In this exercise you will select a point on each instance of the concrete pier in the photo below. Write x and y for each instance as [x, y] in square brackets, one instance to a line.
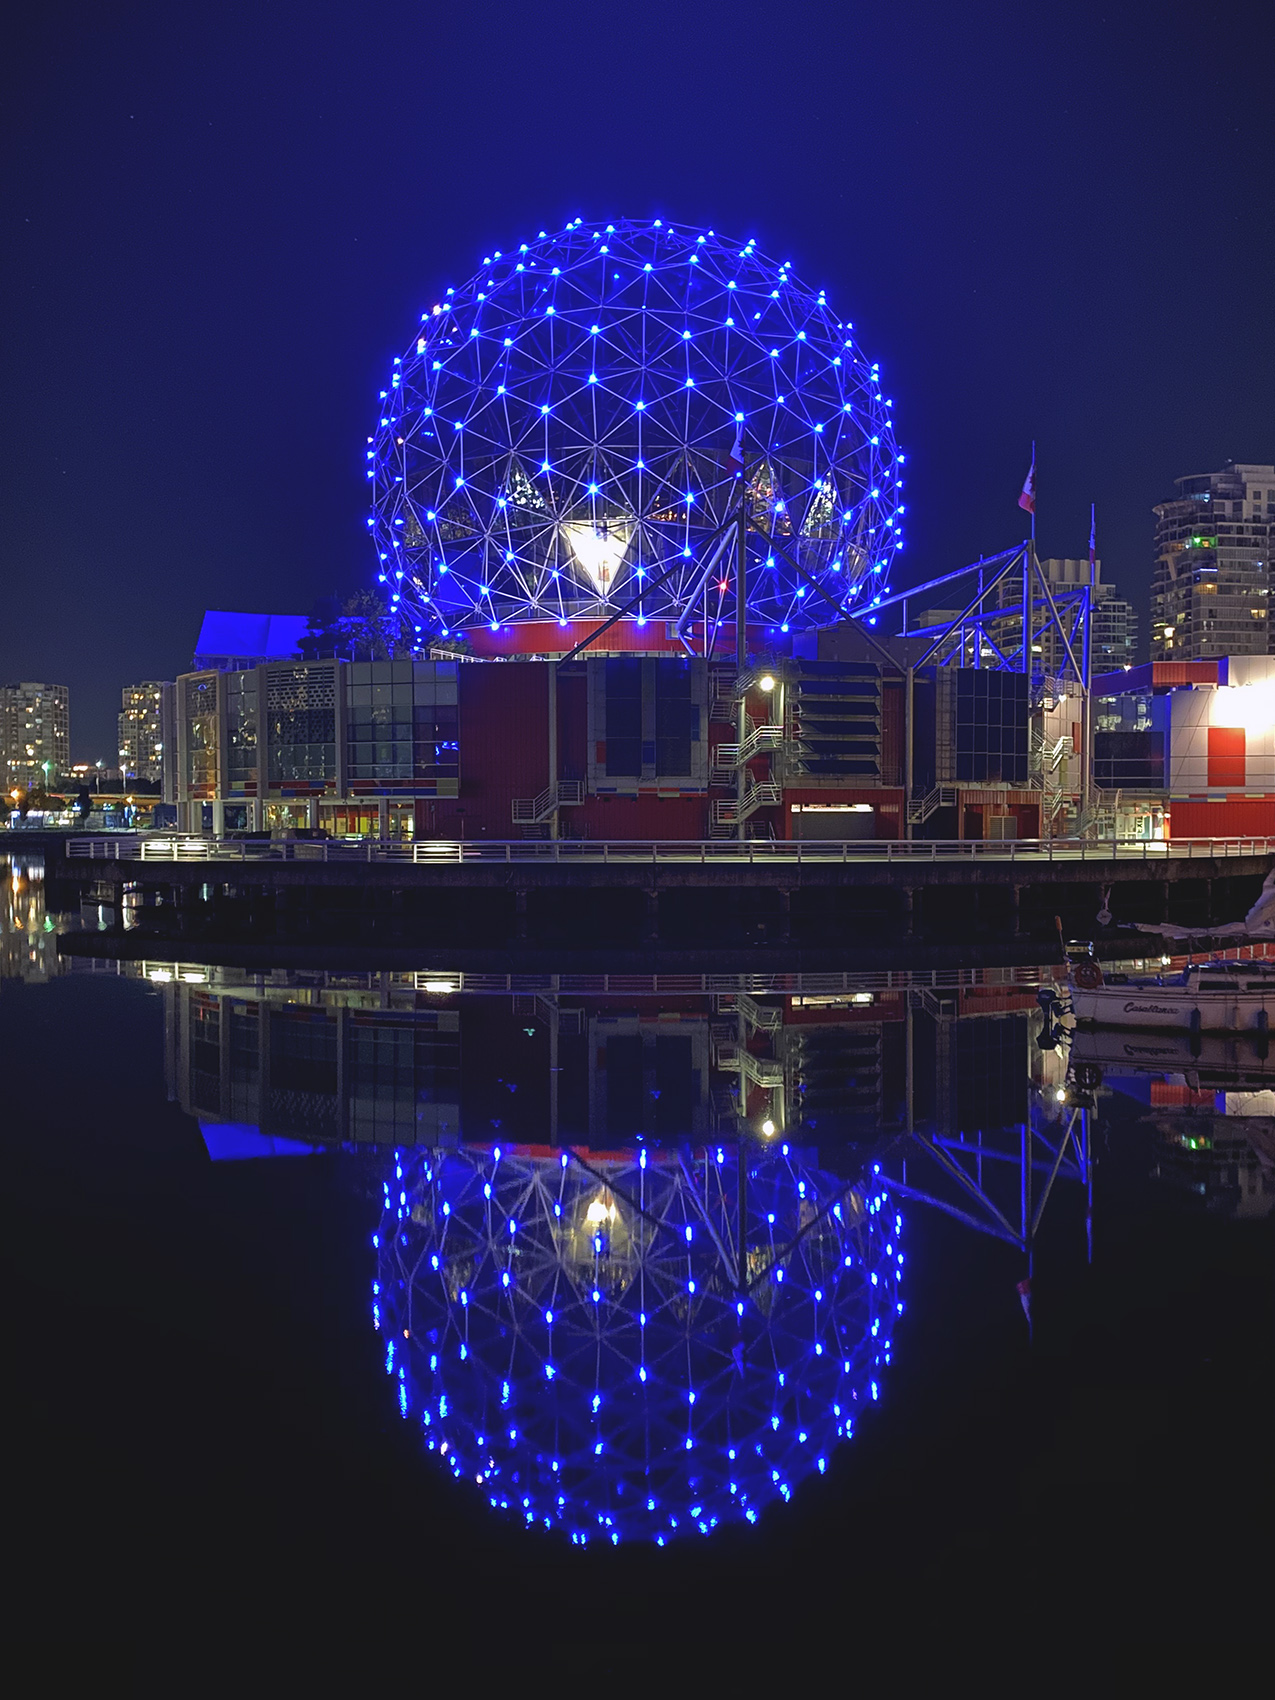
[672, 897]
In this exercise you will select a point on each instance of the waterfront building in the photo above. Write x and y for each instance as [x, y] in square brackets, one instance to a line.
[148, 734]
[350, 748]
[1186, 749]
[1210, 593]
[636, 500]
[612, 745]
[35, 733]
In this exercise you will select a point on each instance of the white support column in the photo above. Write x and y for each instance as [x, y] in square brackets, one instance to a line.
[383, 818]
[553, 744]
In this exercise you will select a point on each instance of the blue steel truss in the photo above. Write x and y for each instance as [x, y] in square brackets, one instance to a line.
[562, 437]
[1009, 605]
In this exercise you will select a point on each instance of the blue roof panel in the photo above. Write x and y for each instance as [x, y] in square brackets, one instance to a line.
[264, 637]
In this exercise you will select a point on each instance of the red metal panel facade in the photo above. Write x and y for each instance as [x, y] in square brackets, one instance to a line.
[893, 715]
[1237, 817]
[1226, 756]
[504, 747]
[573, 722]
[644, 816]
[1156, 675]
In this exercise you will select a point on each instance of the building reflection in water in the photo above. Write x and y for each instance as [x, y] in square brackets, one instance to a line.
[639, 1264]
[635, 1344]
[624, 1214]
[431, 1058]
[1210, 1099]
[28, 933]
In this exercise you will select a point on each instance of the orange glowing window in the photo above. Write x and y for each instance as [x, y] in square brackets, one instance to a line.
[1226, 756]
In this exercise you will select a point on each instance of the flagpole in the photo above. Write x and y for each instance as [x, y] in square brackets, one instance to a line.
[1033, 495]
[1086, 663]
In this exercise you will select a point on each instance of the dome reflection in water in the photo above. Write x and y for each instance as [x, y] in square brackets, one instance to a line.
[580, 1339]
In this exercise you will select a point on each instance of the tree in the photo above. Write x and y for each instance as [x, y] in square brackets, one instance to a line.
[361, 628]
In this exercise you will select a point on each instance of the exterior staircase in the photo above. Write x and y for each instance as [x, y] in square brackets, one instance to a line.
[532, 811]
[730, 811]
[767, 1017]
[761, 741]
[921, 808]
[721, 696]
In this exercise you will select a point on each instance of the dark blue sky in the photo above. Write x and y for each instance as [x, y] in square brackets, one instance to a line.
[221, 221]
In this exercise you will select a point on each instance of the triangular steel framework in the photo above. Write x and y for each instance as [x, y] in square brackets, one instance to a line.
[993, 632]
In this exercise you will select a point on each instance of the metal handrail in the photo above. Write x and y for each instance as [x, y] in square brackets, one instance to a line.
[760, 741]
[534, 809]
[765, 794]
[938, 796]
[175, 847]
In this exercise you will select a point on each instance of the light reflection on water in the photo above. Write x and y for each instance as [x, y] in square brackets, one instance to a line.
[639, 1344]
[541, 1140]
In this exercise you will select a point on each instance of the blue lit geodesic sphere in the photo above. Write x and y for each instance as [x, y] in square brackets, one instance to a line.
[561, 433]
[585, 1340]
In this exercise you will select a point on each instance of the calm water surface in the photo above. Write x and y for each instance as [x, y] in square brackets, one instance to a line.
[858, 1283]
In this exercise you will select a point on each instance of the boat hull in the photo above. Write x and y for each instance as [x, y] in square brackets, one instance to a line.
[1169, 1009]
[1232, 1059]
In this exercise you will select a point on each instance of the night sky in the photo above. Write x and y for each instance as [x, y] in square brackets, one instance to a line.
[220, 222]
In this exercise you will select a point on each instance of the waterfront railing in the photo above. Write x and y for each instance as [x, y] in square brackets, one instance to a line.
[761, 852]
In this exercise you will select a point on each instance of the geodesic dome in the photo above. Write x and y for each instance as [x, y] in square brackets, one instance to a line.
[561, 439]
[591, 1342]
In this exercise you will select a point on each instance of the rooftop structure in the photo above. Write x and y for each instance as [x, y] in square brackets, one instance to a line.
[228, 641]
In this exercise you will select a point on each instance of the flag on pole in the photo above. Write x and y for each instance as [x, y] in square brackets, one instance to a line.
[1028, 498]
[735, 464]
[1093, 541]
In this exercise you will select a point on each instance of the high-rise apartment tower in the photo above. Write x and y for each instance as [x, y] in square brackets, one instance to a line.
[35, 733]
[147, 729]
[1210, 592]
[1114, 631]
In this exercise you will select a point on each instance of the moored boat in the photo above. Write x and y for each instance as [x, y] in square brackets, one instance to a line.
[1211, 997]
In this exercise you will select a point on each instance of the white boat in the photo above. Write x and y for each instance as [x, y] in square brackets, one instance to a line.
[1223, 1062]
[1206, 997]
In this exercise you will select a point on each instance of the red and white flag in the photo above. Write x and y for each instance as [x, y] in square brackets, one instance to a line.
[1028, 498]
[735, 462]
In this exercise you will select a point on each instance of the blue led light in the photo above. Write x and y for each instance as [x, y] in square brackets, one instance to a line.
[496, 453]
[552, 1402]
